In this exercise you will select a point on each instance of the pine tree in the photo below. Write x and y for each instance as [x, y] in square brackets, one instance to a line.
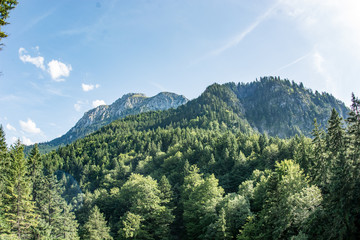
[57, 219]
[218, 229]
[4, 161]
[319, 172]
[338, 199]
[18, 205]
[353, 135]
[335, 141]
[34, 167]
[95, 227]
[69, 229]
[3, 147]
[5, 7]
[289, 203]
[34, 163]
[165, 190]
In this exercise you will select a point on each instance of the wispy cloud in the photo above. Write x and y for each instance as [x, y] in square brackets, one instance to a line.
[159, 86]
[319, 65]
[37, 61]
[318, 62]
[293, 62]
[35, 21]
[89, 87]
[95, 29]
[11, 98]
[10, 127]
[238, 38]
[29, 126]
[234, 41]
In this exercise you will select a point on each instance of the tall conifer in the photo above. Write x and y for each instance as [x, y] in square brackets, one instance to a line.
[18, 204]
[95, 227]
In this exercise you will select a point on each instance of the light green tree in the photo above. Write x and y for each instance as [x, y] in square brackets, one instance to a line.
[95, 227]
[288, 205]
[19, 209]
[141, 197]
[199, 198]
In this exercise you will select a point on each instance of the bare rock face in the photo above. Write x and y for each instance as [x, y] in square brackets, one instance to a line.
[129, 104]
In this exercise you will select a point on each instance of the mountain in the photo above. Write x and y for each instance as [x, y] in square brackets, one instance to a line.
[206, 159]
[283, 108]
[129, 104]
[270, 105]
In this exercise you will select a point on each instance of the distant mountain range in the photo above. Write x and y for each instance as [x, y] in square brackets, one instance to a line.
[129, 104]
[269, 105]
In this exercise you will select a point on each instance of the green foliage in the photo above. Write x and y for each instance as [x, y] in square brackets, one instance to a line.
[5, 7]
[199, 198]
[283, 108]
[132, 227]
[190, 173]
[56, 218]
[146, 216]
[18, 207]
[288, 204]
[95, 227]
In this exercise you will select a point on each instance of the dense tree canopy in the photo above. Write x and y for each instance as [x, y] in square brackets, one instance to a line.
[131, 180]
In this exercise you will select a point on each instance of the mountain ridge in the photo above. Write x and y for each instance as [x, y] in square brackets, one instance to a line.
[271, 105]
[128, 104]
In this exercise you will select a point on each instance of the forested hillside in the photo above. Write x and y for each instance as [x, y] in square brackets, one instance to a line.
[269, 105]
[196, 172]
[283, 108]
[129, 104]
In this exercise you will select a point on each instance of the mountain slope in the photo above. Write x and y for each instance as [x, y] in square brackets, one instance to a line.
[283, 108]
[207, 147]
[271, 105]
[129, 104]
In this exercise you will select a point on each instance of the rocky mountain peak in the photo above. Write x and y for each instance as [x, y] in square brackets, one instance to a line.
[128, 104]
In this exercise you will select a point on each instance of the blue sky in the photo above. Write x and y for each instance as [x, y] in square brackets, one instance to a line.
[64, 57]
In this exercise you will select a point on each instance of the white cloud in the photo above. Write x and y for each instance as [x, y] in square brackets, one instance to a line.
[318, 62]
[82, 105]
[26, 141]
[320, 66]
[13, 140]
[37, 61]
[58, 70]
[328, 23]
[29, 126]
[10, 128]
[97, 103]
[332, 28]
[78, 106]
[89, 87]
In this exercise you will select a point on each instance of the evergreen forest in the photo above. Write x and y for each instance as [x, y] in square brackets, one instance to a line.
[196, 172]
